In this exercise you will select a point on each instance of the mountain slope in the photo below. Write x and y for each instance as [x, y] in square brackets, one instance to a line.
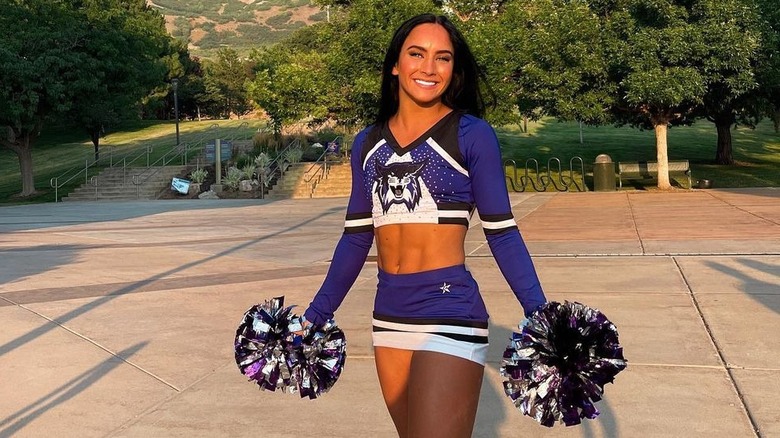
[240, 24]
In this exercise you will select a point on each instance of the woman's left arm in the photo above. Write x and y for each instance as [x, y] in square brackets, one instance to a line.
[488, 185]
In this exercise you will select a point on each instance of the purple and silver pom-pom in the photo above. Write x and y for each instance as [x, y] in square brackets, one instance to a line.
[273, 350]
[558, 365]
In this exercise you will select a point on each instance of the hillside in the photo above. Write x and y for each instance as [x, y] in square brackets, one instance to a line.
[240, 24]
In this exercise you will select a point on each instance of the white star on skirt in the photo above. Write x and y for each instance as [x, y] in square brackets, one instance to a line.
[445, 288]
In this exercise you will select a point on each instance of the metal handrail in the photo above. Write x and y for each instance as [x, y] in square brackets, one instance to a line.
[180, 151]
[274, 168]
[131, 156]
[107, 162]
[321, 171]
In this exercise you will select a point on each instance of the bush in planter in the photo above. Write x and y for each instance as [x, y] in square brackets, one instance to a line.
[266, 142]
[243, 160]
[198, 176]
[232, 179]
[248, 171]
[293, 155]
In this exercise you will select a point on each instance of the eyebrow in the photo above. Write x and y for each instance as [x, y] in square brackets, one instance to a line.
[423, 49]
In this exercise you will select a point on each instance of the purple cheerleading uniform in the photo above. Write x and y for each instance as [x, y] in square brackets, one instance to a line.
[440, 178]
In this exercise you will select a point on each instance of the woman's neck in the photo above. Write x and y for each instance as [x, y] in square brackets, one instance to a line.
[411, 121]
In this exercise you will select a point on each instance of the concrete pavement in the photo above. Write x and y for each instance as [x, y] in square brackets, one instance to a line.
[117, 319]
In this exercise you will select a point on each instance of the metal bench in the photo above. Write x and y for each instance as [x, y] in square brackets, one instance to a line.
[649, 170]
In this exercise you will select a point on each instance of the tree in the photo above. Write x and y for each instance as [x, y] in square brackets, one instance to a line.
[225, 82]
[289, 86]
[126, 42]
[768, 70]
[352, 47]
[733, 35]
[41, 63]
[658, 66]
[546, 57]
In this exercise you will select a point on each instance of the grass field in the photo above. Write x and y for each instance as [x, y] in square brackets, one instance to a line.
[62, 152]
[757, 151]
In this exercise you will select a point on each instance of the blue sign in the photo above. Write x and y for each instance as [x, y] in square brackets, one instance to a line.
[225, 149]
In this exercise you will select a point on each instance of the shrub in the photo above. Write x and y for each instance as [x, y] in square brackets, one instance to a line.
[248, 171]
[243, 160]
[265, 142]
[262, 160]
[293, 155]
[199, 175]
[232, 179]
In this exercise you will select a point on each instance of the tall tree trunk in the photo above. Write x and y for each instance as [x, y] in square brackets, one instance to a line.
[724, 154]
[21, 144]
[776, 120]
[662, 156]
[95, 136]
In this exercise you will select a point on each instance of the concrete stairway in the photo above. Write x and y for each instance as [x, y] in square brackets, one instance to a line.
[113, 185]
[337, 184]
[294, 183]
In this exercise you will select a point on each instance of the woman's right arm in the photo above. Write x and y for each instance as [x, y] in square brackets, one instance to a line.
[352, 249]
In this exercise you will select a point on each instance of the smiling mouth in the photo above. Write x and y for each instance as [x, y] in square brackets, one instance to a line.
[425, 83]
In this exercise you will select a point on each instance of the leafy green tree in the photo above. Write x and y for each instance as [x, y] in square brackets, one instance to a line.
[125, 44]
[343, 62]
[42, 61]
[732, 33]
[289, 86]
[648, 63]
[546, 57]
[676, 56]
[225, 82]
[357, 38]
[768, 70]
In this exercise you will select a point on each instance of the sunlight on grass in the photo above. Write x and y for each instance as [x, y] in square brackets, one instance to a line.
[64, 150]
[757, 151]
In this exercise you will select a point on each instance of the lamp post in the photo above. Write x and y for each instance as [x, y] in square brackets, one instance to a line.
[175, 85]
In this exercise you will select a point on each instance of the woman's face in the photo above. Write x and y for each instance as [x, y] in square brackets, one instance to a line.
[425, 65]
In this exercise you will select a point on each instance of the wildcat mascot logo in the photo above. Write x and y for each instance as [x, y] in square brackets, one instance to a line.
[398, 183]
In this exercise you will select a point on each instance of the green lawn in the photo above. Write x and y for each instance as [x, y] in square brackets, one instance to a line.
[757, 151]
[62, 152]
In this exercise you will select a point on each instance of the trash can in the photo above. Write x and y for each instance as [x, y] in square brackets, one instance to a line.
[603, 174]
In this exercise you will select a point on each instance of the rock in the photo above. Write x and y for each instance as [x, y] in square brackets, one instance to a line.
[245, 186]
[208, 195]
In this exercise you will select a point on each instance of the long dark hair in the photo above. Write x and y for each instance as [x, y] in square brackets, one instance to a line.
[463, 94]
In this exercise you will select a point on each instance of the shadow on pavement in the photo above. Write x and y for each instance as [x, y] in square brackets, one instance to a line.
[34, 334]
[39, 216]
[21, 418]
[20, 263]
[761, 292]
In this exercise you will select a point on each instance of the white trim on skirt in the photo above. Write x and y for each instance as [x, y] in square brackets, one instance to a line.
[432, 337]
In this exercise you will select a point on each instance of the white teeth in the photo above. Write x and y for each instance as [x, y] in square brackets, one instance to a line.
[425, 83]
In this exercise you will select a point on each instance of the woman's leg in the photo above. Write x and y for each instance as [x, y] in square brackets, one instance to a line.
[443, 394]
[392, 367]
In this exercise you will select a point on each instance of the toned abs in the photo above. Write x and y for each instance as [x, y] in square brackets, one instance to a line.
[409, 248]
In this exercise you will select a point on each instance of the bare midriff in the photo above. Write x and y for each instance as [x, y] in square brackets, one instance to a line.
[409, 248]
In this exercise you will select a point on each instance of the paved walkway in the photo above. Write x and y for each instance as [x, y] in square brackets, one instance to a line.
[118, 319]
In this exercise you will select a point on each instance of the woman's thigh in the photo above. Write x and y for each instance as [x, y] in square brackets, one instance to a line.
[392, 367]
[443, 394]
